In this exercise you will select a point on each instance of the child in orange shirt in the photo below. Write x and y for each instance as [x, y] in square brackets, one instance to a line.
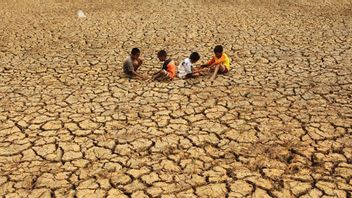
[219, 63]
[168, 71]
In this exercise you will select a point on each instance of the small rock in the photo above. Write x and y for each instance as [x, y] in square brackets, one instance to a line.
[80, 14]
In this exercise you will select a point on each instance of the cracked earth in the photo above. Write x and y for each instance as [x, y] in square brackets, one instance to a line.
[278, 125]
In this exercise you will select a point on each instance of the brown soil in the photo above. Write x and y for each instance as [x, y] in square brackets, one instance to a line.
[278, 125]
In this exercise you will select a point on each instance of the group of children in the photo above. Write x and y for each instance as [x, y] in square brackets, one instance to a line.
[219, 63]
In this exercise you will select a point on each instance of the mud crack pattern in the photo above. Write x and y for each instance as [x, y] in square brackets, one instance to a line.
[278, 125]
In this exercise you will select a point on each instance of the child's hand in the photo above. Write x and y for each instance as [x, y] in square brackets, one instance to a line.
[146, 78]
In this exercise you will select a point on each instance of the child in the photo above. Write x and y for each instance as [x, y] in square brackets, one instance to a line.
[184, 70]
[168, 71]
[132, 63]
[220, 62]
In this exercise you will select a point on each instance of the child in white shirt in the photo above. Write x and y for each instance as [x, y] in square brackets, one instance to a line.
[184, 70]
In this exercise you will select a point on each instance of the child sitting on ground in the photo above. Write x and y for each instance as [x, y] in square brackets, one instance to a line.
[168, 70]
[185, 69]
[132, 63]
[220, 63]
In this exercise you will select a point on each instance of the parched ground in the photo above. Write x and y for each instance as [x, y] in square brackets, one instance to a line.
[278, 125]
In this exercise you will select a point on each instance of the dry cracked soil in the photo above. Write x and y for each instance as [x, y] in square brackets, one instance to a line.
[278, 125]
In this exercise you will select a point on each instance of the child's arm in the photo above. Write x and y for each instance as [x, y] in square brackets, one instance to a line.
[200, 71]
[140, 61]
[219, 61]
[209, 63]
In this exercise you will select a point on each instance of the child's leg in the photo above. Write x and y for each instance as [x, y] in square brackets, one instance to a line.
[158, 75]
[191, 75]
[164, 75]
[141, 76]
[155, 75]
[136, 65]
[217, 68]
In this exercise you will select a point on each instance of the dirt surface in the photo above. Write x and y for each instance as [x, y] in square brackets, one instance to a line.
[278, 125]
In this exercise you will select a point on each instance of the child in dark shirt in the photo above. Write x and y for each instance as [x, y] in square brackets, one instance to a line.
[168, 70]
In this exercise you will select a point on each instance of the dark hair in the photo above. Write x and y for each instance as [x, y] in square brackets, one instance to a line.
[135, 51]
[194, 56]
[218, 49]
[162, 53]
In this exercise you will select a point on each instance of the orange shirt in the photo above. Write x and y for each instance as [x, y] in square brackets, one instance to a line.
[171, 69]
[224, 59]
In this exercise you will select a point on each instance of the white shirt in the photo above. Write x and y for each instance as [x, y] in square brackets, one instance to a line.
[184, 68]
